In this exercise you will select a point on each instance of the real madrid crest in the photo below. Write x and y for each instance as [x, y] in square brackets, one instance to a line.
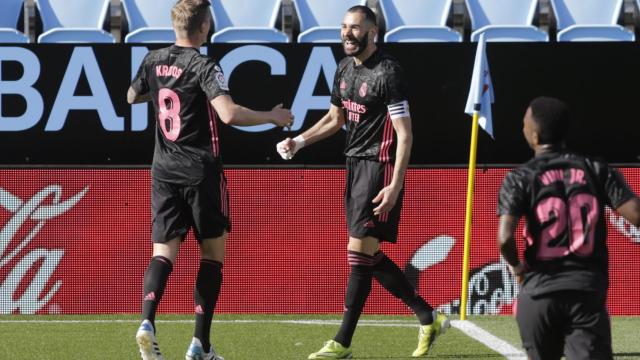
[363, 90]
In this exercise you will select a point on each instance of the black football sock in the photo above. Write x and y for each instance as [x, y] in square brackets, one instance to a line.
[389, 275]
[358, 289]
[155, 281]
[205, 295]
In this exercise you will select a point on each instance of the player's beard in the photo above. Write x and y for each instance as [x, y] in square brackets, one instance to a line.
[361, 44]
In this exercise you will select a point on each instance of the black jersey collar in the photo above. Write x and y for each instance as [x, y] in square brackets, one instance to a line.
[178, 48]
[550, 150]
[369, 60]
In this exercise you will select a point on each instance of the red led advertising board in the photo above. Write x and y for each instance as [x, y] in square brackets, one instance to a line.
[78, 242]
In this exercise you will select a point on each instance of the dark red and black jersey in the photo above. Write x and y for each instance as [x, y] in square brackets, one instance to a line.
[181, 83]
[371, 94]
[563, 197]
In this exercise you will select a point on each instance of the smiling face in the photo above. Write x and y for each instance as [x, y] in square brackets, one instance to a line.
[357, 33]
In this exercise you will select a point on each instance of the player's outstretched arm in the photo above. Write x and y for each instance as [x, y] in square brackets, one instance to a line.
[621, 197]
[327, 126]
[233, 114]
[630, 210]
[134, 98]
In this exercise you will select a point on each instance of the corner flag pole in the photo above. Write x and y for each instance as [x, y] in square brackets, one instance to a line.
[479, 107]
[467, 221]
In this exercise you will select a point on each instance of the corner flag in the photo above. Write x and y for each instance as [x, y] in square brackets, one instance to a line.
[481, 89]
[479, 107]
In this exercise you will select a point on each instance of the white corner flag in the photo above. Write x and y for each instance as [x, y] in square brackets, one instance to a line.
[481, 89]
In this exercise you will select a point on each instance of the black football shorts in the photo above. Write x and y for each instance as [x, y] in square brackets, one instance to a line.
[365, 179]
[177, 208]
[574, 323]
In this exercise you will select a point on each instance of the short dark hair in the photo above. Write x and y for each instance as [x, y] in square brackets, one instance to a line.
[369, 15]
[552, 117]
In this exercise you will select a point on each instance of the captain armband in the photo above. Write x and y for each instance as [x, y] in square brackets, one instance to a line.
[399, 110]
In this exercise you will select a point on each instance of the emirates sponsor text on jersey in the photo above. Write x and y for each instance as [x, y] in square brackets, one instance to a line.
[354, 109]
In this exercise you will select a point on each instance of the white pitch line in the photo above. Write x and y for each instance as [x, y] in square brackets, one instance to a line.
[491, 341]
[381, 323]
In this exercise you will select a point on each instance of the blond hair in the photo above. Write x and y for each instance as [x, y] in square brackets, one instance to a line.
[188, 15]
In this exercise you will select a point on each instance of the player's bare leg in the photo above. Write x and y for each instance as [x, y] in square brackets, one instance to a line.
[366, 245]
[207, 289]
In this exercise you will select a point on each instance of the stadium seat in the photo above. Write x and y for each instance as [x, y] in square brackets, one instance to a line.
[590, 20]
[74, 21]
[238, 21]
[320, 19]
[9, 17]
[149, 21]
[418, 21]
[504, 20]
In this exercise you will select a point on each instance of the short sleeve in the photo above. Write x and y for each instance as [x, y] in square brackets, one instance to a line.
[212, 80]
[395, 86]
[616, 188]
[336, 99]
[513, 195]
[140, 82]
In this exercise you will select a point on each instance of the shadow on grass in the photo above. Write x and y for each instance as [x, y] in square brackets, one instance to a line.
[627, 354]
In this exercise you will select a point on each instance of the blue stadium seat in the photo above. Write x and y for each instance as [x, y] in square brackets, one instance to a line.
[8, 22]
[320, 20]
[239, 21]
[590, 20]
[149, 21]
[418, 21]
[74, 21]
[504, 20]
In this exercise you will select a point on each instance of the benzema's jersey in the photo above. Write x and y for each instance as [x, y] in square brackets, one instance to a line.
[371, 95]
[563, 197]
[181, 83]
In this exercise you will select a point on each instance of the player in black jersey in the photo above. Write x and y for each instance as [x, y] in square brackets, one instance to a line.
[370, 95]
[564, 276]
[189, 190]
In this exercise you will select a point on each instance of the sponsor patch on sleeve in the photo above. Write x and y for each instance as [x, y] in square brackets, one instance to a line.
[222, 82]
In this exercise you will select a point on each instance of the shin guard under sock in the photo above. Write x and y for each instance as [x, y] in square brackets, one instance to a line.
[389, 275]
[205, 296]
[358, 289]
[155, 281]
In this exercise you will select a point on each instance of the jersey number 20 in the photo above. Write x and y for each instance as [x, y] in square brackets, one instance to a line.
[580, 221]
[169, 114]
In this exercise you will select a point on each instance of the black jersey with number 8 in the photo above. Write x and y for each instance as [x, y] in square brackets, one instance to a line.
[181, 83]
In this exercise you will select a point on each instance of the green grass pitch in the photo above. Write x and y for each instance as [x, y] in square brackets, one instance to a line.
[249, 337]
